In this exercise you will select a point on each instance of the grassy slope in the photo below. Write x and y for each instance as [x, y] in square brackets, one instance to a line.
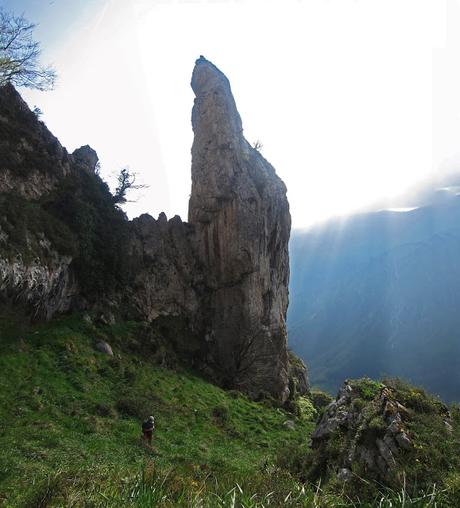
[73, 413]
[70, 432]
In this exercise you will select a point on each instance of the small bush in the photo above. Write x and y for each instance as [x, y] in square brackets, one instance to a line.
[416, 398]
[221, 414]
[358, 404]
[452, 489]
[105, 410]
[369, 388]
[137, 407]
[320, 400]
[377, 426]
[294, 458]
[306, 410]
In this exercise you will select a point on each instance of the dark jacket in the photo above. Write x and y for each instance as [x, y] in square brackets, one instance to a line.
[148, 426]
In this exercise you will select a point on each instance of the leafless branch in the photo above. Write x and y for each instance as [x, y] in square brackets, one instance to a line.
[19, 54]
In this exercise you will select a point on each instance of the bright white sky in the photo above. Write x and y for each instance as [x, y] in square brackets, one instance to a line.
[353, 100]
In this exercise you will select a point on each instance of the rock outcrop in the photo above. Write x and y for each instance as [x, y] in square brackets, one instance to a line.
[380, 434]
[374, 432]
[239, 208]
[299, 384]
[86, 157]
[32, 160]
[220, 281]
[43, 288]
[365, 428]
[166, 274]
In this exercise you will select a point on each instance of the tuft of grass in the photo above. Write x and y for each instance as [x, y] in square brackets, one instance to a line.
[320, 400]
[368, 388]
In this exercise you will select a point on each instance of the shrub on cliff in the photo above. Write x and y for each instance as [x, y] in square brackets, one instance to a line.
[85, 205]
[126, 180]
[320, 400]
[25, 222]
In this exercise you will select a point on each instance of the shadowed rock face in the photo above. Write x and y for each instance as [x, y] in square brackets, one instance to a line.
[166, 277]
[32, 160]
[219, 282]
[239, 208]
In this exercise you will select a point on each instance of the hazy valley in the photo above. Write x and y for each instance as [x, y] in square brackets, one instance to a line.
[377, 294]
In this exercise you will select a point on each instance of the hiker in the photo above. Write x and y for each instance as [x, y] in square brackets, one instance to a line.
[147, 428]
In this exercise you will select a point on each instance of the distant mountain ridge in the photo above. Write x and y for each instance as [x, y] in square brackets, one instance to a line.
[379, 294]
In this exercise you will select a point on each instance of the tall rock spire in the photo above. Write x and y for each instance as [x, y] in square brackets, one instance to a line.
[239, 208]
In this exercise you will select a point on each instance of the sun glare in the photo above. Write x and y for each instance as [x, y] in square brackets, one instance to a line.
[341, 94]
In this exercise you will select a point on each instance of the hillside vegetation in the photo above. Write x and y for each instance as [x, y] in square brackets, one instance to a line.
[70, 432]
[70, 423]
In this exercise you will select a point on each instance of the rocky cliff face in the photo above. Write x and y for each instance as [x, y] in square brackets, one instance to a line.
[166, 275]
[32, 160]
[223, 276]
[241, 214]
[33, 273]
[43, 288]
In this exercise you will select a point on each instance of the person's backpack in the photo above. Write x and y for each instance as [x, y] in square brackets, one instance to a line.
[148, 425]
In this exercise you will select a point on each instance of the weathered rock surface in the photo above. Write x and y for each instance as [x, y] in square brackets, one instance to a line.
[372, 432]
[239, 208]
[104, 347]
[32, 164]
[86, 157]
[299, 383]
[223, 277]
[166, 273]
[44, 288]
[32, 161]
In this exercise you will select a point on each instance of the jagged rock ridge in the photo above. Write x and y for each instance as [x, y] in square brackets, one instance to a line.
[167, 277]
[224, 275]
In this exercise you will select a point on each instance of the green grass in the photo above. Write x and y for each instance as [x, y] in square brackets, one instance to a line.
[68, 411]
[70, 432]
[368, 387]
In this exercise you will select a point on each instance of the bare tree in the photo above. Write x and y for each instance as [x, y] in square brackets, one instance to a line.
[245, 352]
[126, 182]
[19, 54]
